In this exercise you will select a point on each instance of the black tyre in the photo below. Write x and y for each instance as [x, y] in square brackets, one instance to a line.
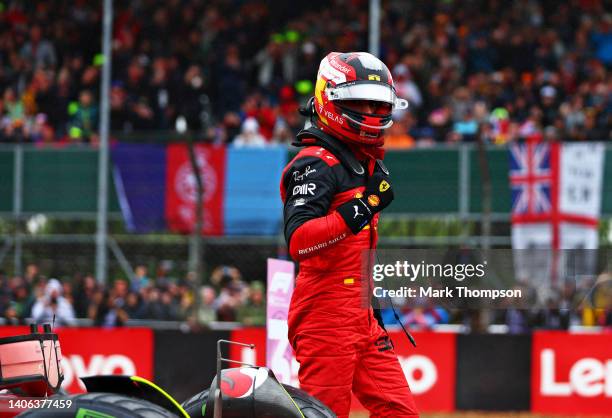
[101, 405]
[311, 407]
[194, 406]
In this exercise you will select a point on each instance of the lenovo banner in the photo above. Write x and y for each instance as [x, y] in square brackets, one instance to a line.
[572, 373]
[92, 351]
[429, 368]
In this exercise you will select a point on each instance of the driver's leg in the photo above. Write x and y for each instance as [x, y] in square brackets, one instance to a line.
[379, 381]
[326, 368]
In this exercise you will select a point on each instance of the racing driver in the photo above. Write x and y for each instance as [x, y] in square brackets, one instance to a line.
[333, 191]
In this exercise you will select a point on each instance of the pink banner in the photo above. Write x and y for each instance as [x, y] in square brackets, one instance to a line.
[279, 354]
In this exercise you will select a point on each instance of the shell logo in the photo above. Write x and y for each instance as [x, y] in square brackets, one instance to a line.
[373, 200]
[240, 383]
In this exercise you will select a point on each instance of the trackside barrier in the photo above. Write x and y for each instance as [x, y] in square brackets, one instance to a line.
[493, 372]
[572, 373]
[547, 372]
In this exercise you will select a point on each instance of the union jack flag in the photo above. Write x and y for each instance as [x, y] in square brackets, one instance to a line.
[531, 179]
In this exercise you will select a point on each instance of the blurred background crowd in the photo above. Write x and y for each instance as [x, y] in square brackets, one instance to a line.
[230, 298]
[236, 71]
[157, 297]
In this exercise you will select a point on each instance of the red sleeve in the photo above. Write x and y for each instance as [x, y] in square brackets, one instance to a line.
[316, 234]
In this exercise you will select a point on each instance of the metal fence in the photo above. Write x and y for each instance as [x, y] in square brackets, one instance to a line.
[48, 207]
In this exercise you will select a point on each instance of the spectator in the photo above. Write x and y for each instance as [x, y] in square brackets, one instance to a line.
[84, 293]
[169, 307]
[276, 66]
[32, 275]
[250, 136]
[253, 312]
[406, 87]
[397, 136]
[517, 321]
[201, 65]
[134, 307]
[39, 51]
[552, 317]
[162, 279]
[107, 311]
[231, 296]
[160, 306]
[11, 315]
[206, 311]
[140, 279]
[52, 306]
[282, 133]
[231, 87]
[23, 302]
[153, 308]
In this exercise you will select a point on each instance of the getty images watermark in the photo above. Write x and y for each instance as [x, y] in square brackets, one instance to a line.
[471, 278]
[405, 270]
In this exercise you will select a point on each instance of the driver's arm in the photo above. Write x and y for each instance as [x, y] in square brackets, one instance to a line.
[309, 187]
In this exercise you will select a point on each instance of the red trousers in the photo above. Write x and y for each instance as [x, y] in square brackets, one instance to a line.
[334, 362]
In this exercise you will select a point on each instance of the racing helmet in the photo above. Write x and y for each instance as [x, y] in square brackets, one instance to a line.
[355, 76]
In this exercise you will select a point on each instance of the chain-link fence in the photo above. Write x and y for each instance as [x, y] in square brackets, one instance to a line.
[48, 226]
[49, 205]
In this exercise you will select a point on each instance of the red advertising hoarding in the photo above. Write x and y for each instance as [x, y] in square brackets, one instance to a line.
[255, 336]
[181, 188]
[430, 368]
[571, 373]
[93, 351]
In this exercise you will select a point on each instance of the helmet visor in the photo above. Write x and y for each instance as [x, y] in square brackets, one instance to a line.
[365, 90]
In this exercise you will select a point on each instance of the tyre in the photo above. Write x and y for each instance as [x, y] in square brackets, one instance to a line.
[194, 406]
[96, 405]
[311, 407]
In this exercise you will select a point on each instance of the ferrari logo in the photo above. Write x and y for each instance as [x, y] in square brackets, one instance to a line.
[384, 186]
[374, 77]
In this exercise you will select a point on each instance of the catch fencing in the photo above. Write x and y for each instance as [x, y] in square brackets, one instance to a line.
[48, 209]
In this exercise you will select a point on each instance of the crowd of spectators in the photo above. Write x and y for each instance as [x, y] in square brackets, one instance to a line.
[238, 70]
[584, 302]
[225, 297]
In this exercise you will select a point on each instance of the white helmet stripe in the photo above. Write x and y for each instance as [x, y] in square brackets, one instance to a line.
[330, 73]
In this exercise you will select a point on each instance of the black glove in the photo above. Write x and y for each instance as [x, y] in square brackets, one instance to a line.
[358, 212]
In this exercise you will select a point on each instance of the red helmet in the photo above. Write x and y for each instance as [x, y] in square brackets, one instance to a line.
[354, 76]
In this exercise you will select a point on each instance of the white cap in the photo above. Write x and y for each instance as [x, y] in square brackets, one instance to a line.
[53, 285]
[250, 125]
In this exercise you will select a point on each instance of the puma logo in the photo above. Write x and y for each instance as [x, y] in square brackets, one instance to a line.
[356, 212]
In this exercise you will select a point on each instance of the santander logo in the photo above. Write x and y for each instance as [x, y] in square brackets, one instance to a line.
[588, 377]
[339, 66]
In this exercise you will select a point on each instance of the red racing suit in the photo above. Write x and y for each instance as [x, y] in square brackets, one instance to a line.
[337, 340]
